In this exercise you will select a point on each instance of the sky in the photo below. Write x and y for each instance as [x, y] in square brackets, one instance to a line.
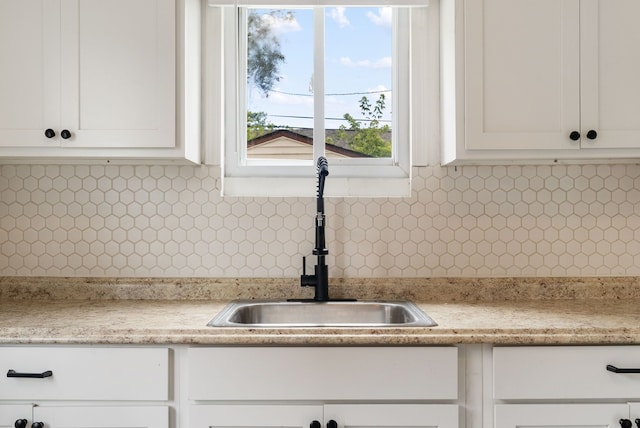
[357, 60]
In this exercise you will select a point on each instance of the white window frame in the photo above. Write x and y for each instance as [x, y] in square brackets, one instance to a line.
[225, 118]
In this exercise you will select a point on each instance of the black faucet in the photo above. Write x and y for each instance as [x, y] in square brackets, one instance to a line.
[320, 278]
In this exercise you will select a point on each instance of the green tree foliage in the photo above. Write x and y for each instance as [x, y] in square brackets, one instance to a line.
[363, 138]
[257, 125]
[264, 55]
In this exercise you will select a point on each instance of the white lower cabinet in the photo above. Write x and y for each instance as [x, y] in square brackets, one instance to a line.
[566, 387]
[84, 387]
[466, 386]
[324, 416]
[323, 387]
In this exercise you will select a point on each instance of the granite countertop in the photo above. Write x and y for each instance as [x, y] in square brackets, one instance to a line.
[150, 311]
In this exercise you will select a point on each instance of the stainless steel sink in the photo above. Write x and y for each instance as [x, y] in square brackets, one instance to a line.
[268, 313]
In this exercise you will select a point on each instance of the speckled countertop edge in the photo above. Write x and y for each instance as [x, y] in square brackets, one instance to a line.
[175, 311]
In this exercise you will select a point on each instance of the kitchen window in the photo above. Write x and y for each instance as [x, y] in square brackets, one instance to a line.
[289, 83]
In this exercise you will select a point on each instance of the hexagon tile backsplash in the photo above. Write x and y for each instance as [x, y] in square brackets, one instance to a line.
[116, 220]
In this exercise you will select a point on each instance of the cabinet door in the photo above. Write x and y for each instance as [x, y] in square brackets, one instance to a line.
[560, 415]
[118, 73]
[634, 411]
[29, 72]
[522, 60]
[102, 417]
[610, 68]
[10, 413]
[393, 415]
[249, 416]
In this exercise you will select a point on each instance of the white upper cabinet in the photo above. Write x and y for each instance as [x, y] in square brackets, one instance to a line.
[610, 70]
[522, 62]
[118, 73]
[29, 72]
[540, 80]
[91, 78]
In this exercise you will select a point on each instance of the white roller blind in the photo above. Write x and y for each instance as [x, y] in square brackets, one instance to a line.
[307, 3]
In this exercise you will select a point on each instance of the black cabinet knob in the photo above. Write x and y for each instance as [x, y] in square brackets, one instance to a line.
[625, 423]
[592, 135]
[637, 421]
[20, 423]
[332, 424]
[574, 136]
[315, 424]
[37, 425]
[49, 133]
[65, 134]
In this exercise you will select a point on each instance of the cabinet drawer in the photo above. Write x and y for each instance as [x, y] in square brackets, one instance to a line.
[340, 373]
[79, 373]
[565, 372]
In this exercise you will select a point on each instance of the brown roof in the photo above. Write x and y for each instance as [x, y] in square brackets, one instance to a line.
[304, 135]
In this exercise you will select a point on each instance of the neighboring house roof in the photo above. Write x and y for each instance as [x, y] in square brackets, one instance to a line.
[293, 144]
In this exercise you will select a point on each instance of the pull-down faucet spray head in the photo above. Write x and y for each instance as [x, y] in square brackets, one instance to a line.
[323, 171]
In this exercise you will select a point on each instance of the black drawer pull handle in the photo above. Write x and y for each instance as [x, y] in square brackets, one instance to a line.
[13, 373]
[617, 370]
